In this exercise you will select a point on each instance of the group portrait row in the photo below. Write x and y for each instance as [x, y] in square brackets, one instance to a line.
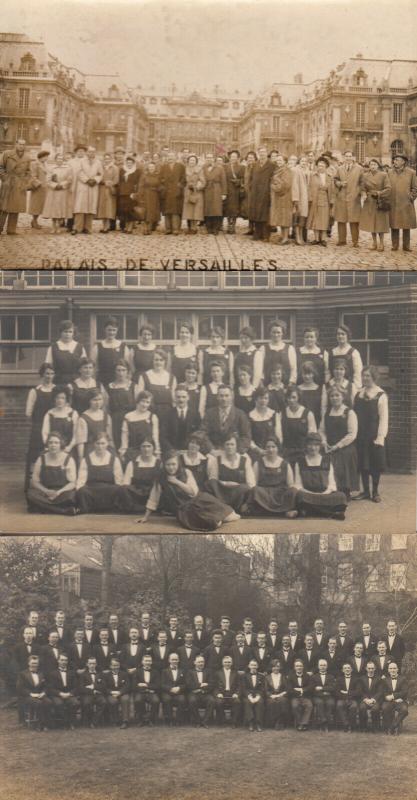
[205, 433]
[145, 673]
[287, 197]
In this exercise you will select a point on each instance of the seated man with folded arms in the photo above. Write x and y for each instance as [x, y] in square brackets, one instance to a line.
[394, 702]
[347, 698]
[199, 683]
[145, 684]
[227, 693]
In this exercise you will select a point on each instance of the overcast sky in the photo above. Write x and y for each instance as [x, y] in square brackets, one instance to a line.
[238, 45]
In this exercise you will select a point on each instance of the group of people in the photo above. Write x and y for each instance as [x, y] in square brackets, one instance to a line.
[275, 193]
[204, 433]
[91, 674]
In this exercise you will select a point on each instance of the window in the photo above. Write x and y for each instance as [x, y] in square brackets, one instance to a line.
[345, 278]
[324, 542]
[275, 124]
[25, 338]
[324, 576]
[370, 336]
[276, 99]
[345, 542]
[24, 95]
[27, 63]
[344, 576]
[39, 278]
[372, 583]
[399, 541]
[360, 114]
[398, 113]
[231, 324]
[235, 133]
[23, 131]
[152, 130]
[192, 280]
[151, 280]
[397, 147]
[261, 322]
[397, 577]
[71, 583]
[246, 280]
[295, 543]
[360, 150]
[359, 78]
[302, 278]
[91, 278]
[372, 542]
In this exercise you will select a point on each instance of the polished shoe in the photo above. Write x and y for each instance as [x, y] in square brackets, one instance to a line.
[323, 243]
[376, 498]
[123, 726]
[259, 728]
[362, 496]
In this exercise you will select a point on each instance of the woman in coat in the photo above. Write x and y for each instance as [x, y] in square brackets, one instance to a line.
[251, 159]
[321, 196]
[281, 198]
[301, 178]
[215, 192]
[107, 193]
[375, 186]
[235, 174]
[402, 216]
[37, 186]
[57, 188]
[193, 210]
[127, 189]
[149, 198]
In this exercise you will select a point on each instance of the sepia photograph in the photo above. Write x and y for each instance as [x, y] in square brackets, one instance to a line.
[178, 401]
[188, 666]
[228, 134]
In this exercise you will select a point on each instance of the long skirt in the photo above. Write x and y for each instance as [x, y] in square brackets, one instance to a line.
[235, 496]
[132, 499]
[203, 513]
[371, 457]
[320, 505]
[99, 498]
[345, 466]
[39, 503]
[271, 500]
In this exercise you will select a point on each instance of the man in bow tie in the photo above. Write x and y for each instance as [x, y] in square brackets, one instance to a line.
[62, 687]
[300, 690]
[31, 690]
[200, 686]
[145, 686]
[117, 687]
[347, 697]
[62, 629]
[50, 653]
[92, 691]
[324, 691]
[187, 652]
[253, 690]
[372, 689]
[395, 703]
[173, 691]
[227, 691]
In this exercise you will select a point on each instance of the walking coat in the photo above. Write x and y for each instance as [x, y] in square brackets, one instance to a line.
[247, 171]
[172, 177]
[194, 193]
[300, 190]
[403, 194]
[372, 219]
[149, 197]
[107, 193]
[56, 200]
[75, 164]
[321, 197]
[15, 178]
[281, 197]
[215, 187]
[347, 206]
[235, 176]
[86, 196]
[260, 191]
[37, 186]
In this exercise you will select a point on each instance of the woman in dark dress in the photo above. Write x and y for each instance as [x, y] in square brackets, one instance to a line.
[121, 399]
[350, 355]
[314, 478]
[178, 490]
[208, 392]
[193, 387]
[274, 492]
[296, 422]
[91, 423]
[339, 381]
[244, 389]
[52, 487]
[138, 425]
[195, 459]
[312, 352]
[84, 386]
[61, 418]
[231, 476]
[39, 401]
[371, 407]
[216, 351]
[277, 351]
[65, 354]
[264, 422]
[107, 352]
[140, 476]
[339, 431]
[99, 479]
[143, 352]
[161, 384]
[277, 390]
[183, 352]
[249, 356]
[311, 391]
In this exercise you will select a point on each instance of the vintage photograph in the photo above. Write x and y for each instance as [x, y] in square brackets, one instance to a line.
[225, 133]
[130, 654]
[175, 401]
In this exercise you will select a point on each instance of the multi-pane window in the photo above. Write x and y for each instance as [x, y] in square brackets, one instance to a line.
[397, 147]
[345, 542]
[23, 131]
[398, 577]
[398, 113]
[24, 99]
[369, 336]
[399, 541]
[372, 542]
[24, 339]
[300, 278]
[372, 581]
[345, 278]
[275, 124]
[230, 323]
[85, 278]
[360, 148]
[360, 114]
[246, 280]
[345, 576]
[324, 542]
[261, 322]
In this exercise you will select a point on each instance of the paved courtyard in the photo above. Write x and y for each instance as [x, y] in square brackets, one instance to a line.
[40, 249]
[397, 512]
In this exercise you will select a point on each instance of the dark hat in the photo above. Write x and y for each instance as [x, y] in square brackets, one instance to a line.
[400, 155]
[80, 147]
[323, 158]
[229, 152]
[313, 438]
[43, 153]
[377, 161]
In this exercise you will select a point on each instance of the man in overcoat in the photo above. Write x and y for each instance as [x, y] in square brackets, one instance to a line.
[15, 174]
[260, 194]
[172, 176]
[347, 207]
[402, 216]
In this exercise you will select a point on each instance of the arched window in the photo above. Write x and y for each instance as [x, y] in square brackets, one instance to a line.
[114, 93]
[276, 99]
[360, 78]
[397, 147]
[27, 63]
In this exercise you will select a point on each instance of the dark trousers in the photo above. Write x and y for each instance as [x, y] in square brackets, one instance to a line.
[142, 699]
[395, 238]
[261, 230]
[346, 711]
[172, 223]
[66, 709]
[342, 232]
[93, 708]
[375, 711]
[277, 710]
[393, 714]
[302, 709]
[254, 712]
[227, 702]
[41, 706]
[118, 706]
[11, 221]
[324, 710]
[213, 224]
[199, 700]
[169, 701]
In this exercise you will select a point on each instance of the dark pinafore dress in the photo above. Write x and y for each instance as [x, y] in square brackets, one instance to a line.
[52, 477]
[80, 396]
[134, 497]
[201, 513]
[211, 398]
[277, 399]
[66, 364]
[162, 399]
[94, 428]
[62, 425]
[142, 361]
[311, 399]
[315, 479]
[219, 358]
[347, 392]
[274, 358]
[347, 358]
[243, 359]
[100, 493]
[272, 494]
[317, 359]
[344, 460]
[107, 358]
[261, 430]
[245, 402]
[42, 405]
[199, 471]
[137, 431]
[234, 496]
[121, 402]
[179, 363]
[294, 434]
[371, 457]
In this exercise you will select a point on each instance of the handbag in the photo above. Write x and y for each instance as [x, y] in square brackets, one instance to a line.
[383, 204]
[139, 213]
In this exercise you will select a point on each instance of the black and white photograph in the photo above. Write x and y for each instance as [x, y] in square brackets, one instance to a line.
[179, 401]
[209, 666]
[224, 133]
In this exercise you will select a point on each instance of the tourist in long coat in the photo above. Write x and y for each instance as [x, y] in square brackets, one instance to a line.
[347, 205]
[15, 179]
[75, 164]
[193, 210]
[149, 197]
[321, 197]
[215, 193]
[37, 194]
[402, 216]
[235, 176]
[259, 204]
[107, 193]
[57, 188]
[86, 191]
[251, 159]
[375, 186]
[301, 178]
[172, 176]
[127, 189]
[281, 198]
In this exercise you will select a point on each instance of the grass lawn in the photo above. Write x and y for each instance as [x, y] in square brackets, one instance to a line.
[215, 764]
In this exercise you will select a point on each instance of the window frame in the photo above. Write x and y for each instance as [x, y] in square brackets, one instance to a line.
[17, 343]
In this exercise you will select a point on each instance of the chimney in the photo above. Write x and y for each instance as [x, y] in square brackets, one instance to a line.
[298, 78]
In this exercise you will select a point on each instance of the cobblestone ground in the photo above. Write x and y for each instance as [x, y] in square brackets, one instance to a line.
[39, 249]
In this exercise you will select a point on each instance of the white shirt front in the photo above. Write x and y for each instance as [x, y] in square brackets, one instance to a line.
[227, 679]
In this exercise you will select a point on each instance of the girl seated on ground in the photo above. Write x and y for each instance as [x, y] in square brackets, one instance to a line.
[231, 476]
[314, 478]
[52, 487]
[274, 492]
[140, 475]
[99, 479]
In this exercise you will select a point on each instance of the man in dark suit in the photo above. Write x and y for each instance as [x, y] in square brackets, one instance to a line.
[181, 421]
[224, 420]
[172, 178]
[117, 634]
[31, 691]
[277, 705]
[50, 653]
[272, 638]
[145, 687]
[90, 632]
[347, 698]
[201, 637]
[381, 659]
[300, 690]
[395, 643]
[174, 636]
[286, 655]
[357, 661]
[132, 652]
[248, 632]
[93, 694]
[253, 692]
[147, 634]
[319, 637]
[214, 653]
[173, 690]
[368, 640]
[63, 630]
[78, 653]
[261, 654]
[324, 695]
[199, 682]
[259, 197]
[227, 632]
[394, 700]
[62, 688]
[117, 688]
[296, 640]
[103, 651]
[241, 654]
[38, 634]
[344, 643]
[309, 655]
[371, 688]
[160, 652]
[334, 663]
[24, 649]
[227, 691]
[187, 652]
